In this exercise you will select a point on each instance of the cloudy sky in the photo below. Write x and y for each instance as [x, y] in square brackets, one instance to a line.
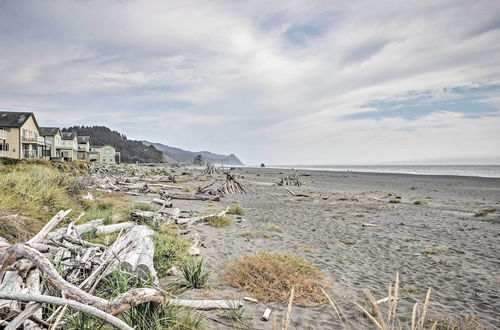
[280, 82]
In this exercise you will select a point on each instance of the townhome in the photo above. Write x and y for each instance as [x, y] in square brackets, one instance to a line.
[20, 136]
[53, 138]
[83, 147]
[105, 154]
[69, 146]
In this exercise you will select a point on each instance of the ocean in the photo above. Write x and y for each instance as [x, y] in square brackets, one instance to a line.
[487, 171]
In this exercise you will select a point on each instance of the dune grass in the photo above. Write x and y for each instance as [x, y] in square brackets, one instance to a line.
[236, 209]
[170, 249]
[34, 191]
[143, 317]
[269, 277]
[219, 222]
[195, 273]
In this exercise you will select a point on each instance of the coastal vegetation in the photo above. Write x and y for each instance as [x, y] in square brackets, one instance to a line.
[219, 222]
[270, 277]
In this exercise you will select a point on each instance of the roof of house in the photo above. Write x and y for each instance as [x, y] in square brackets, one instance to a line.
[48, 130]
[15, 119]
[68, 135]
[83, 139]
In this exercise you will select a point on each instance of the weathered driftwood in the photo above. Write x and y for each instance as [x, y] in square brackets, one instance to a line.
[190, 221]
[133, 252]
[12, 282]
[211, 169]
[108, 229]
[54, 280]
[49, 226]
[290, 180]
[206, 304]
[139, 216]
[194, 249]
[81, 307]
[139, 257]
[80, 229]
[162, 202]
[189, 197]
[231, 185]
[296, 195]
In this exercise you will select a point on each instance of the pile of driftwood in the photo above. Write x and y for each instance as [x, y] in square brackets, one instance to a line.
[231, 185]
[211, 169]
[290, 180]
[29, 278]
[132, 180]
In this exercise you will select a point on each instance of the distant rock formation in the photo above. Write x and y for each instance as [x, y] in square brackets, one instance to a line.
[184, 156]
[199, 161]
[262, 165]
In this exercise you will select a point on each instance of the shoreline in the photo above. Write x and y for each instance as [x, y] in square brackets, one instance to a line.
[322, 169]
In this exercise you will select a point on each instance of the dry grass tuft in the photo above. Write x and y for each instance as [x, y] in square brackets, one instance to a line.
[236, 209]
[271, 276]
[271, 227]
[256, 234]
[485, 212]
[219, 222]
[16, 228]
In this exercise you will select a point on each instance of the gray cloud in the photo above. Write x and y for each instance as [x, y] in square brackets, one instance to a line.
[273, 77]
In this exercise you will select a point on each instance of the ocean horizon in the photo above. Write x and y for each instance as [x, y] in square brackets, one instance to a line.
[486, 171]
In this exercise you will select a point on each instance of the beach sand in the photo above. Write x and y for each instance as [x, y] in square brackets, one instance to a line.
[436, 243]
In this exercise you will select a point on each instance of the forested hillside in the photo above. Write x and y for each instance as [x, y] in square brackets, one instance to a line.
[131, 151]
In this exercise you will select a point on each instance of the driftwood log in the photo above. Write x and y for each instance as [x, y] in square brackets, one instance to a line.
[190, 221]
[189, 197]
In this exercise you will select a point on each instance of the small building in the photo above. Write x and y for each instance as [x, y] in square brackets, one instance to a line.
[19, 136]
[69, 146]
[104, 154]
[53, 138]
[83, 147]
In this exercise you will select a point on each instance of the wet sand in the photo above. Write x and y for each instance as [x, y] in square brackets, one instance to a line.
[461, 266]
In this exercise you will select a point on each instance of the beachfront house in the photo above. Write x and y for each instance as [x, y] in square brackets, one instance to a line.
[105, 154]
[69, 146]
[19, 136]
[83, 147]
[53, 138]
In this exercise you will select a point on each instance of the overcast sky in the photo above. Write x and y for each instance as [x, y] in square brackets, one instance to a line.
[271, 81]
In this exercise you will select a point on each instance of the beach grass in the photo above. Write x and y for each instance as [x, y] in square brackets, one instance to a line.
[219, 221]
[236, 209]
[269, 277]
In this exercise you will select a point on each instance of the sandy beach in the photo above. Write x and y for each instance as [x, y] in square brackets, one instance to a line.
[427, 228]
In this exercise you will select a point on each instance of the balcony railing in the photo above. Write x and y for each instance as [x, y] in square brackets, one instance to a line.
[3, 134]
[33, 139]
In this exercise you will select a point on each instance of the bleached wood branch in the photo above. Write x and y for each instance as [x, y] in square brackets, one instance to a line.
[44, 299]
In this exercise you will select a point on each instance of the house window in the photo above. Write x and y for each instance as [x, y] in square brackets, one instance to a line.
[4, 147]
